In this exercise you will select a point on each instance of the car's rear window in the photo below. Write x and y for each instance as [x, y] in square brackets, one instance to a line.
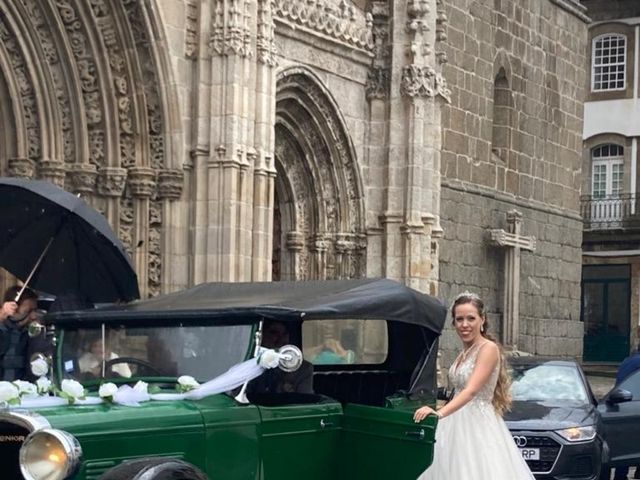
[548, 383]
[336, 342]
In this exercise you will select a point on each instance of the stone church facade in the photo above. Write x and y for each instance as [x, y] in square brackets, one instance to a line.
[249, 140]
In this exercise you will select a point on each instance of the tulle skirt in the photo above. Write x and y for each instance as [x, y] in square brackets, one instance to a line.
[474, 443]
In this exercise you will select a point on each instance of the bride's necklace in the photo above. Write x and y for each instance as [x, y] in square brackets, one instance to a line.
[466, 351]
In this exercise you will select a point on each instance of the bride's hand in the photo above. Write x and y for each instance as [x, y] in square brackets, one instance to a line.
[422, 413]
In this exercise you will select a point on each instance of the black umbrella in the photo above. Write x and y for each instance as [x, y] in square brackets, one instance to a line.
[56, 243]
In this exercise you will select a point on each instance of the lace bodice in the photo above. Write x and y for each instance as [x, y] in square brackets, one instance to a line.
[459, 375]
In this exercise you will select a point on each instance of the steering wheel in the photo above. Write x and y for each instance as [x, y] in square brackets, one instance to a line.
[136, 361]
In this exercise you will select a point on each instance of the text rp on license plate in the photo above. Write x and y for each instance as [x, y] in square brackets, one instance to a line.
[530, 453]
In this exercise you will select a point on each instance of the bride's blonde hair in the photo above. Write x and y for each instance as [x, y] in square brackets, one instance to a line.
[501, 396]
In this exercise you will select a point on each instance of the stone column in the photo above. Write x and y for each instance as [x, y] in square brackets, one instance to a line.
[170, 187]
[111, 182]
[142, 185]
[230, 183]
[21, 168]
[52, 171]
[264, 141]
[295, 245]
[413, 189]
[81, 180]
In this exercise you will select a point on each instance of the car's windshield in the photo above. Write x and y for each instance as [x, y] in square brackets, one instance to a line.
[548, 383]
[202, 352]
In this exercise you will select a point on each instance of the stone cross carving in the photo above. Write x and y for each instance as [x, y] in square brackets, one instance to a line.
[513, 241]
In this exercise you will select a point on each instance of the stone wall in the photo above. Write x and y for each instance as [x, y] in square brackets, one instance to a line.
[549, 277]
[512, 139]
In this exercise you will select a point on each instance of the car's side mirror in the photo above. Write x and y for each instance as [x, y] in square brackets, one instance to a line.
[618, 395]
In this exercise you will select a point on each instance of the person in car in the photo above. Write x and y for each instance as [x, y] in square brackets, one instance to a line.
[472, 440]
[90, 362]
[18, 311]
[275, 335]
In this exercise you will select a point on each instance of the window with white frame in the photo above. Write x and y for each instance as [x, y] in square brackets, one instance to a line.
[607, 170]
[609, 54]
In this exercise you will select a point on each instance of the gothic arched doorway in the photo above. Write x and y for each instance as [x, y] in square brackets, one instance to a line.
[319, 217]
[85, 103]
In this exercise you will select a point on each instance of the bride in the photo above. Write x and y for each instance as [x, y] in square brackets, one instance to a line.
[472, 440]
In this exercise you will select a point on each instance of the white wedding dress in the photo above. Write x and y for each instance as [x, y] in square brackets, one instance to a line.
[474, 443]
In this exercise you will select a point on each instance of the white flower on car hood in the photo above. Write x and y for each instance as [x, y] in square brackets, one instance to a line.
[269, 359]
[187, 383]
[26, 389]
[9, 393]
[72, 388]
[107, 390]
[44, 385]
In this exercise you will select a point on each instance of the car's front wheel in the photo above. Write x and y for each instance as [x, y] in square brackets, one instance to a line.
[154, 469]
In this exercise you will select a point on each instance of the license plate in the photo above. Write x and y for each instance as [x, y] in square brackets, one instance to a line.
[530, 453]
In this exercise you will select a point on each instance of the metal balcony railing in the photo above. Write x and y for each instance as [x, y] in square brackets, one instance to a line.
[610, 212]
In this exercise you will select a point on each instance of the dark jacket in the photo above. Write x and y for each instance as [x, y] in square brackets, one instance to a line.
[628, 366]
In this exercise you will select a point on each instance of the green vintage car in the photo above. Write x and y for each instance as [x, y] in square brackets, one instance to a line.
[356, 423]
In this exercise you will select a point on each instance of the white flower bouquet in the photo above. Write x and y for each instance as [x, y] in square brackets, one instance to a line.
[107, 391]
[9, 394]
[26, 389]
[186, 383]
[43, 384]
[71, 391]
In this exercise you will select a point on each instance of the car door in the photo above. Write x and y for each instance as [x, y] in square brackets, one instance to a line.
[383, 443]
[622, 422]
[300, 440]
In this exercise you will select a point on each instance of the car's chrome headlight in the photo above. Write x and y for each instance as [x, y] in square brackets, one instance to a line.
[49, 454]
[578, 434]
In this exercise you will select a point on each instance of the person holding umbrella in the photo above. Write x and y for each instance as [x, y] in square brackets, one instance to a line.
[18, 311]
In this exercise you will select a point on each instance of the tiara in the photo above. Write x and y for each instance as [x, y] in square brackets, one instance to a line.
[467, 294]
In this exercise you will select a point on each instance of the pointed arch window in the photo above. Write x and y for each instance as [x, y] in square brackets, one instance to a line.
[608, 62]
[503, 114]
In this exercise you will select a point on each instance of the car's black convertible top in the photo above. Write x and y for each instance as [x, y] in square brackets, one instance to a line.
[287, 301]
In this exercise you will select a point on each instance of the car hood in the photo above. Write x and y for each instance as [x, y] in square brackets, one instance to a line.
[549, 416]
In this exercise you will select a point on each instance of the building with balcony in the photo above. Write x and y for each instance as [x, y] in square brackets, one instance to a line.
[609, 203]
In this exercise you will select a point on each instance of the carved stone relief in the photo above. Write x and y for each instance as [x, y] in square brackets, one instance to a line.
[231, 33]
[417, 28]
[322, 176]
[37, 18]
[106, 46]
[22, 168]
[86, 69]
[52, 171]
[378, 82]
[420, 81]
[343, 22]
[191, 26]
[441, 29]
[27, 94]
[265, 42]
